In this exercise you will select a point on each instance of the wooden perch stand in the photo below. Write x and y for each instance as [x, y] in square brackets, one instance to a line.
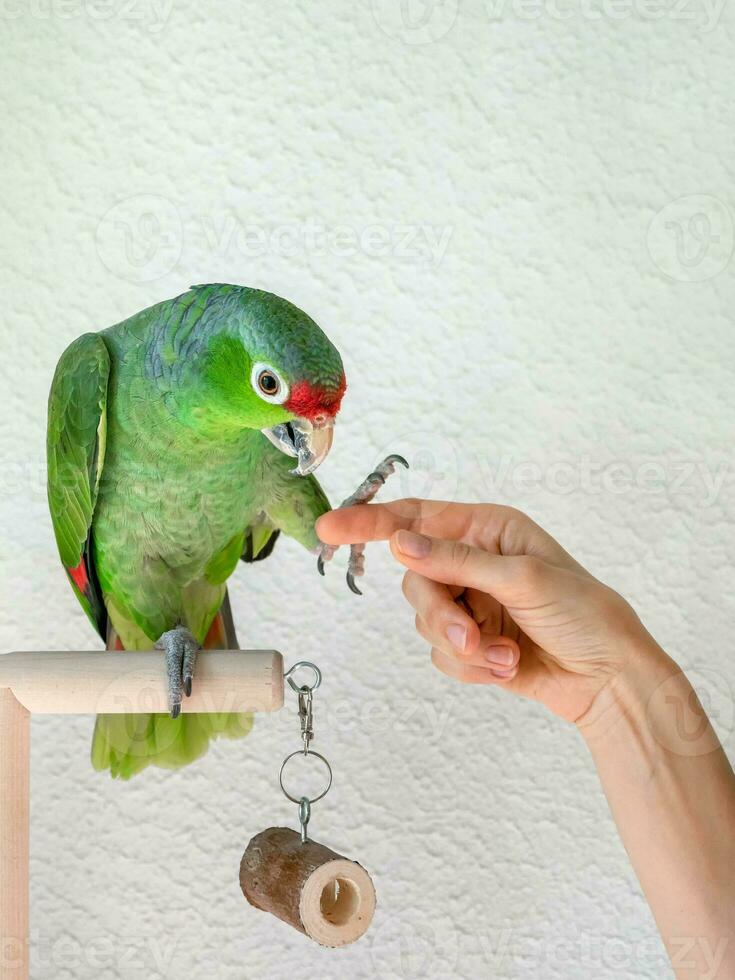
[88, 683]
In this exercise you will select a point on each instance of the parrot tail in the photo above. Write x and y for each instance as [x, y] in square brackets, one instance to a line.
[127, 744]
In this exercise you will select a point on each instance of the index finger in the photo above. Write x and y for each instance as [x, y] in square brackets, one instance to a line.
[377, 522]
[497, 528]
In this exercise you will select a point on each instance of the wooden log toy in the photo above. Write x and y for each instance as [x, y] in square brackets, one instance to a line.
[324, 895]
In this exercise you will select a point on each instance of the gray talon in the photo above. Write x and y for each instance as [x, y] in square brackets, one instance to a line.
[191, 648]
[355, 566]
[363, 495]
[181, 648]
[326, 553]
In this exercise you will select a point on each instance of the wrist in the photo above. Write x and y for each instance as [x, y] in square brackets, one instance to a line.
[649, 707]
[636, 693]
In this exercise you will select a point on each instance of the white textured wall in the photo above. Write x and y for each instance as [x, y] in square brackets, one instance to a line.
[516, 222]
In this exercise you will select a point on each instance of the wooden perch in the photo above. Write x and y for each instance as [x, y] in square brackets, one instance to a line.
[120, 683]
[87, 683]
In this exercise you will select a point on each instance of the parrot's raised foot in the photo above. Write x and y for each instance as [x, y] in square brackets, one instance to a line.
[374, 481]
[363, 495]
[181, 648]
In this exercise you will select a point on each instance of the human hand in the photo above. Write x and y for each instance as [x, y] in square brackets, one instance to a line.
[499, 600]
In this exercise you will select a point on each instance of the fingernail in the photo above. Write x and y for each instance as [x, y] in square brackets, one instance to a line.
[500, 655]
[413, 545]
[504, 675]
[457, 636]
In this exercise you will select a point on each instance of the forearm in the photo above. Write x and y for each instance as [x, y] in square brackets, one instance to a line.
[671, 790]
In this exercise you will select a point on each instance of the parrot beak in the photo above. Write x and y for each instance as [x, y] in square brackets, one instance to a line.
[308, 442]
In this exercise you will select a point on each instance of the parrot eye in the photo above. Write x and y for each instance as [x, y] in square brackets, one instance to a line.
[268, 384]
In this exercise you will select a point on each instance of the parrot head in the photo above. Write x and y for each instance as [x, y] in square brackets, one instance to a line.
[268, 366]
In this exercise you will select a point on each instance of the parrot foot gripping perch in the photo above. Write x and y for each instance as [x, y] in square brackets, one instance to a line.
[363, 495]
[181, 648]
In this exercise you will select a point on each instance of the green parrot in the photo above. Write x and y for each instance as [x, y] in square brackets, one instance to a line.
[171, 445]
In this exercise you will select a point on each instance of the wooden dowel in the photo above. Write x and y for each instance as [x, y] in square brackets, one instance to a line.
[133, 682]
[15, 742]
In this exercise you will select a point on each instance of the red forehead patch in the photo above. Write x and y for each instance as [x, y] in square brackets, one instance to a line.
[309, 401]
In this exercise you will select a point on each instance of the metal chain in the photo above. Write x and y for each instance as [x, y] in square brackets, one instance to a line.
[306, 716]
[305, 694]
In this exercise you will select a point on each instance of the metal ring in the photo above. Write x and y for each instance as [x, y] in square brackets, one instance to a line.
[298, 799]
[297, 666]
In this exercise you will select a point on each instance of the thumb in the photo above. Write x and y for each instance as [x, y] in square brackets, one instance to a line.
[509, 578]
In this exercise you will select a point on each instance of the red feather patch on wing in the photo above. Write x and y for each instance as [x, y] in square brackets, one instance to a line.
[79, 575]
[84, 580]
[216, 638]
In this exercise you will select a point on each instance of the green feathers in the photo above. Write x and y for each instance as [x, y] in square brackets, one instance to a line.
[76, 441]
[126, 744]
[160, 477]
[77, 424]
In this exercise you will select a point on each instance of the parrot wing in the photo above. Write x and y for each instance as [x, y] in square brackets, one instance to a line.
[259, 542]
[75, 449]
[295, 515]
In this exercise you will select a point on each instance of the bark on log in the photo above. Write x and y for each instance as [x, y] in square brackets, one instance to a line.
[322, 894]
